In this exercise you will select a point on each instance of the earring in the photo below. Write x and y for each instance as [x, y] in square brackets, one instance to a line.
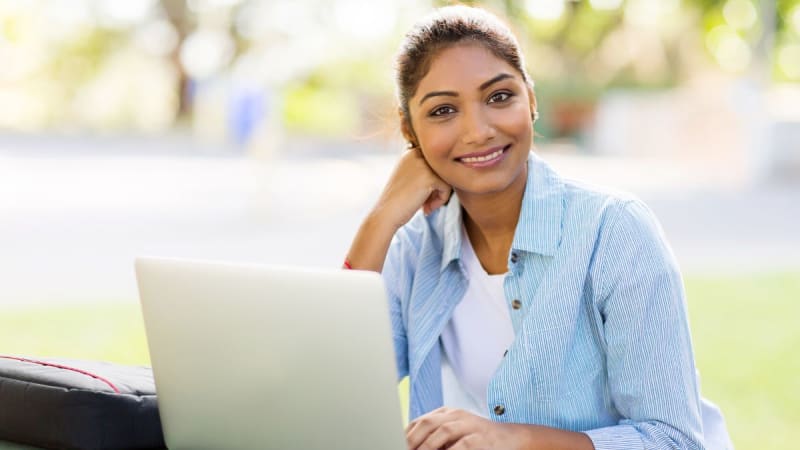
[411, 145]
[534, 115]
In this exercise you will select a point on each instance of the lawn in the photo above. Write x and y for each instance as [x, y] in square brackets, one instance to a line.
[745, 331]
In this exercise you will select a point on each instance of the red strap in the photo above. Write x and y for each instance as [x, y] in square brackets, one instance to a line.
[59, 366]
[347, 265]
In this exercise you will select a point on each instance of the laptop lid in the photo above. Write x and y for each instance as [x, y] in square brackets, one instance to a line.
[249, 356]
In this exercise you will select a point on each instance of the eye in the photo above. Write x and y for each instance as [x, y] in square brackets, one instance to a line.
[500, 97]
[442, 111]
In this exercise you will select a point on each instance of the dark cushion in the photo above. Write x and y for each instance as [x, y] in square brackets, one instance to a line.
[59, 403]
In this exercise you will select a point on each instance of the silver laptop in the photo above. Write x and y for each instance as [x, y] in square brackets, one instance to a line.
[258, 357]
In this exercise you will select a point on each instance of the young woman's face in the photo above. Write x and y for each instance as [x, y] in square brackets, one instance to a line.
[471, 115]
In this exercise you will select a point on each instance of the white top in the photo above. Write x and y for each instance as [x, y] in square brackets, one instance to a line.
[475, 339]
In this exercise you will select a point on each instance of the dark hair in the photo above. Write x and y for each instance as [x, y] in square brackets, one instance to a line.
[444, 28]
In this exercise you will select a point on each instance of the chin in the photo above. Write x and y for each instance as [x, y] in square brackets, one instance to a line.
[483, 187]
[488, 184]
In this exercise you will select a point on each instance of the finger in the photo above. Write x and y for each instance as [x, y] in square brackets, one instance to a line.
[437, 198]
[416, 433]
[427, 420]
[447, 434]
[418, 430]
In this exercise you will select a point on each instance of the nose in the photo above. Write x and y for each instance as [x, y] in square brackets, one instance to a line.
[476, 127]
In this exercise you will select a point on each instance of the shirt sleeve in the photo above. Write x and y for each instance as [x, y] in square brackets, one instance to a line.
[398, 277]
[650, 364]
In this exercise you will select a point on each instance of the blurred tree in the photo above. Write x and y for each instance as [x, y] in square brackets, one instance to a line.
[576, 50]
[178, 15]
[584, 47]
[580, 30]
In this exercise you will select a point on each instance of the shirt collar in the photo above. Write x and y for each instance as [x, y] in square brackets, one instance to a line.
[540, 219]
[452, 231]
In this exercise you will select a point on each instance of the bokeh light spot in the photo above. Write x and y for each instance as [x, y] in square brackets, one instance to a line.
[605, 5]
[789, 60]
[740, 14]
[205, 52]
[729, 49]
[545, 9]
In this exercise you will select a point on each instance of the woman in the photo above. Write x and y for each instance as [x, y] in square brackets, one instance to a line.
[529, 311]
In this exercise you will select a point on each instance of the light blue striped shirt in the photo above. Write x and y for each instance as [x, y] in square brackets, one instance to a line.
[602, 339]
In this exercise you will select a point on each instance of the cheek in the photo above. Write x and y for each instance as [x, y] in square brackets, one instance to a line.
[516, 121]
[437, 141]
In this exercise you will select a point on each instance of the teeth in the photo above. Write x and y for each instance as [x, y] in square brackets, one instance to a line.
[488, 157]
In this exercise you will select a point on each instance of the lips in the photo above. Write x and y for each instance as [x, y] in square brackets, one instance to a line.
[484, 156]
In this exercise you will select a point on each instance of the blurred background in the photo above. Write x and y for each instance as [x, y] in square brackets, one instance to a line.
[263, 130]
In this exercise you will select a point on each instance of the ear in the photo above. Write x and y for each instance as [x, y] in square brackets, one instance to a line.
[407, 129]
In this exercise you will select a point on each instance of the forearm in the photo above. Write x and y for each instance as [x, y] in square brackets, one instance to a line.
[371, 243]
[537, 437]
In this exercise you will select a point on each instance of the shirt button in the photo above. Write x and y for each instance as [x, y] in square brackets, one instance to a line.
[514, 257]
[516, 304]
[499, 410]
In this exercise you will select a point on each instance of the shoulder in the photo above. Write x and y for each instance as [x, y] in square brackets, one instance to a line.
[580, 200]
[613, 228]
[620, 217]
[611, 210]
[581, 196]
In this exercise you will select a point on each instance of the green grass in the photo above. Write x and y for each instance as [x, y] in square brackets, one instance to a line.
[746, 333]
[745, 330]
[111, 331]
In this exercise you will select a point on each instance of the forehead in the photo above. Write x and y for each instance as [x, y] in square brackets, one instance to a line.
[463, 67]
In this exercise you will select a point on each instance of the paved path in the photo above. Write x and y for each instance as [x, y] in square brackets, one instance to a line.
[70, 227]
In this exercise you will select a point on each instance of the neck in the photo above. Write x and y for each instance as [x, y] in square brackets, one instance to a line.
[491, 220]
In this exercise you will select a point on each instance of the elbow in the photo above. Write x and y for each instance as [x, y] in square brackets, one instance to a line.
[657, 435]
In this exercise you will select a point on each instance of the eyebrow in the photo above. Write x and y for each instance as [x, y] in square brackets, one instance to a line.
[484, 85]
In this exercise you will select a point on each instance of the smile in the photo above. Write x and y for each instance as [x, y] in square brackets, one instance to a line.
[484, 159]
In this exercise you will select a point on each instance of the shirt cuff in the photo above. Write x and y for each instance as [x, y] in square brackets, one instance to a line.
[615, 437]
